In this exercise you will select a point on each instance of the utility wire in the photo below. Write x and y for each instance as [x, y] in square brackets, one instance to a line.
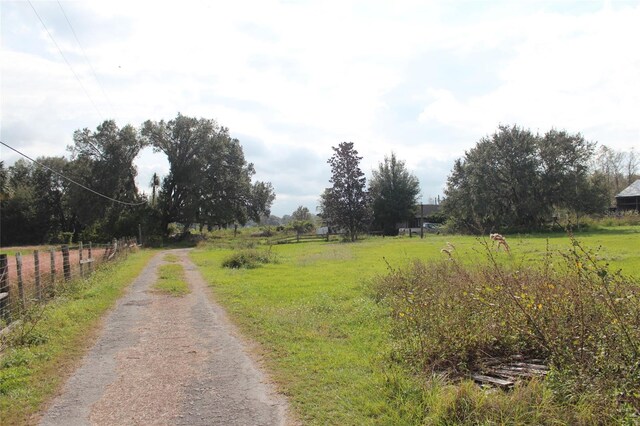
[71, 180]
[72, 70]
[93, 71]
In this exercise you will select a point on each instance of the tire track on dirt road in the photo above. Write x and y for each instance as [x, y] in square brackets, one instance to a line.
[167, 360]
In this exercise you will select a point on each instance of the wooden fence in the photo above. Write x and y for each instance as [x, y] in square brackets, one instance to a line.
[302, 238]
[28, 279]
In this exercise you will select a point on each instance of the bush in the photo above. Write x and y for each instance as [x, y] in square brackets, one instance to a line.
[248, 259]
[580, 317]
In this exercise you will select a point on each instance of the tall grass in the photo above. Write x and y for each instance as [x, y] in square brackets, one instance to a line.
[570, 310]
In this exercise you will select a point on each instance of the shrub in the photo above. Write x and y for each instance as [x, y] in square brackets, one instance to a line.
[576, 314]
[248, 258]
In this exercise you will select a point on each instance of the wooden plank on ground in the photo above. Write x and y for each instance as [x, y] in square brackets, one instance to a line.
[492, 380]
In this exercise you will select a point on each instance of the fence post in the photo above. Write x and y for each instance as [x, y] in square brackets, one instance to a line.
[66, 266]
[52, 253]
[90, 259]
[20, 282]
[4, 289]
[115, 247]
[36, 267]
[80, 250]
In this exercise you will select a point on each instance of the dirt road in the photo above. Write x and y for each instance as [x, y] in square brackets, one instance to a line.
[167, 360]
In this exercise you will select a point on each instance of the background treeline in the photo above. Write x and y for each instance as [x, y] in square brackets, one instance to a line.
[209, 184]
[511, 181]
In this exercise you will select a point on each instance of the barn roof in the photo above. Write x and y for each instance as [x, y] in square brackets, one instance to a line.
[632, 190]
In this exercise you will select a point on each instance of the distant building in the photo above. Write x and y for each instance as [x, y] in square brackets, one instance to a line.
[629, 198]
[420, 214]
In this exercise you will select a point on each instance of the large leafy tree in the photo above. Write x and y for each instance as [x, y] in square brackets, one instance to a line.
[102, 160]
[394, 193]
[516, 180]
[182, 140]
[209, 181]
[345, 204]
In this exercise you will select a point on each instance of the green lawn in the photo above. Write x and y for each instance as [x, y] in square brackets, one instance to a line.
[324, 336]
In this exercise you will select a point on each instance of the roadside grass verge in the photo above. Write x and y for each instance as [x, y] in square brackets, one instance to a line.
[36, 362]
[327, 339]
[171, 280]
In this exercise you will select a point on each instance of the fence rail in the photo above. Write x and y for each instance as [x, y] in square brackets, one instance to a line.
[300, 238]
[30, 278]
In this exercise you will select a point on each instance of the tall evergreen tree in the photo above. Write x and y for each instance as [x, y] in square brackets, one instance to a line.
[345, 204]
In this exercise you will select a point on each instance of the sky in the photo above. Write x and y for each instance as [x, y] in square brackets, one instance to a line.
[290, 79]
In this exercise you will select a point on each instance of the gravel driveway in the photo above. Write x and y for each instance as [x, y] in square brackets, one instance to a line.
[166, 360]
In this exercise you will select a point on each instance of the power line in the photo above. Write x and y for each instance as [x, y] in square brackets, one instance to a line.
[71, 180]
[72, 71]
[84, 54]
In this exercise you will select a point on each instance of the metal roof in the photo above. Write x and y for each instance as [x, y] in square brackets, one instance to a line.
[632, 190]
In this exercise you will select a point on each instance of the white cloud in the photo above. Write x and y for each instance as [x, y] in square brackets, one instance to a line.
[578, 73]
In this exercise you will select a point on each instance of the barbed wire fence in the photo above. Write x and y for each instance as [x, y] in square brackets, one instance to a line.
[30, 279]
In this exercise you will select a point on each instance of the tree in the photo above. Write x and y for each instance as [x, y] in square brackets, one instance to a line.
[209, 181]
[345, 204]
[515, 180]
[182, 140]
[4, 182]
[102, 160]
[301, 220]
[495, 186]
[18, 210]
[301, 214]
[51, 206]
[394, 194]
[564, 173]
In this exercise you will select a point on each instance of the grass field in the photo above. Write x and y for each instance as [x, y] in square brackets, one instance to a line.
[326, 338]
[36, 361]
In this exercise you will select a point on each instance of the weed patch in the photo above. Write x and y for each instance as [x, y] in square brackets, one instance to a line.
[248, 259]
[570, 310]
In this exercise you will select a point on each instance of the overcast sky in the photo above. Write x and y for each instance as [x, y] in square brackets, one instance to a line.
[425, 79]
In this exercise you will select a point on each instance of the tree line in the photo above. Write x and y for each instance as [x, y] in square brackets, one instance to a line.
[209, 184]
[513, 180]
